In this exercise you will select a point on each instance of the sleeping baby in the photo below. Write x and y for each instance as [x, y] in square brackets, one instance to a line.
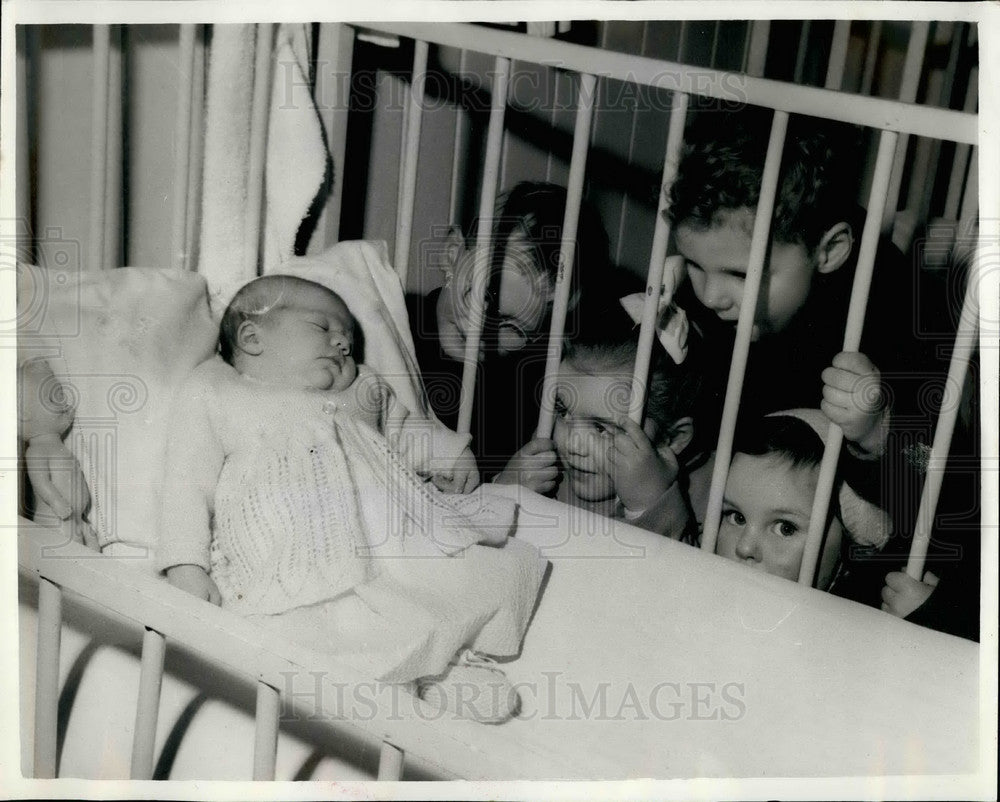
[301, 494]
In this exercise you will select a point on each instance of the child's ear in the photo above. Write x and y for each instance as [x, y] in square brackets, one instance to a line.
[680, 435]
[834, 248]
[248, 338]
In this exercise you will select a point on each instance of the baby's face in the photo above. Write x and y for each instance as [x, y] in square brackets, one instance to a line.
[586, 409]
[765, 518]
[717, 259]
[521, 307]
[307, 342]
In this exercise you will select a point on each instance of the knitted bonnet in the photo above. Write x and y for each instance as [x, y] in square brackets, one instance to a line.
[866, 523]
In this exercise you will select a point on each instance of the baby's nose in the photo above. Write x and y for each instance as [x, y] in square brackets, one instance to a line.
[341, 342]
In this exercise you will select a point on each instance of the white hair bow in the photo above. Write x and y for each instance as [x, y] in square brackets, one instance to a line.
[671, 321]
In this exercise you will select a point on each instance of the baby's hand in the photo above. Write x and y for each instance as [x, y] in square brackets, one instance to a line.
[641, 473]
[196, 581]
[463, 477]
[533, 466]
[903, 594]
[61, 492]
[853, 399]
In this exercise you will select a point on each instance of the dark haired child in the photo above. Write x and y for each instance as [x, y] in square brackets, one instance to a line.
[879, 395]
[769, 495]
[523, 266]
[795, 354]
[599, 458]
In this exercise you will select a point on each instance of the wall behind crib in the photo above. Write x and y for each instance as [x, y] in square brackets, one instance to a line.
[624, 163]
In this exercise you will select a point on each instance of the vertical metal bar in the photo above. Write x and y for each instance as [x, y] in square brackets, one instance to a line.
[99, 146]
[957, 179]
[258, 150]
[852, 339]
[715, 44]
[411, 155]
[24, 135]
[460, 153]
[912, 67]
[335, 55]
[47, 678]
[922, 191]
[623, 214]
[147, 706]
[390, 763]
[744, 328]
[838, 54]
[757, 52]
[661, 237]
[871, 57]
[480, 277]
[970, 198]
[965, 342]
[197, 139]
[113, 255]
[567, 250]
[265, 741]
[182, 137]
[800, 54]
[403, 139]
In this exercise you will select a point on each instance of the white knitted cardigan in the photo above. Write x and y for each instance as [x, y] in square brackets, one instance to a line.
[286, 496]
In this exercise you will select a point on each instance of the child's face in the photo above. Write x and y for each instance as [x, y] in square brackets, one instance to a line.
[765, 517]
[717, 259]
[307, 342]
[586, 408]
[523, 301]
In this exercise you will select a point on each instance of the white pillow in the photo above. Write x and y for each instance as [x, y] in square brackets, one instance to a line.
[121, 341]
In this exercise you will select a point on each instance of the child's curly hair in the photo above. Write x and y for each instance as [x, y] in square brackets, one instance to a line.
[722, 165]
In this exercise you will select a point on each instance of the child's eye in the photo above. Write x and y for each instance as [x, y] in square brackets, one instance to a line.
[601, 428]
[734, 517]
[785, 528]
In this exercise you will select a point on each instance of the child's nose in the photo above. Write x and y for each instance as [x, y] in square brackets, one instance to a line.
[578, 442]
[748, 545]
[717, 295]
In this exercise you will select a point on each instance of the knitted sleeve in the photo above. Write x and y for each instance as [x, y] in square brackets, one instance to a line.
[194, 462]
[426, 445]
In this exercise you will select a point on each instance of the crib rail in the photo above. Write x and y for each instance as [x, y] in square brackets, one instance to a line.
[423, 739]
[892, 115]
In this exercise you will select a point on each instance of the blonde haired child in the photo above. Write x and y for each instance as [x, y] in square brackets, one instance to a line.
[599, 458]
